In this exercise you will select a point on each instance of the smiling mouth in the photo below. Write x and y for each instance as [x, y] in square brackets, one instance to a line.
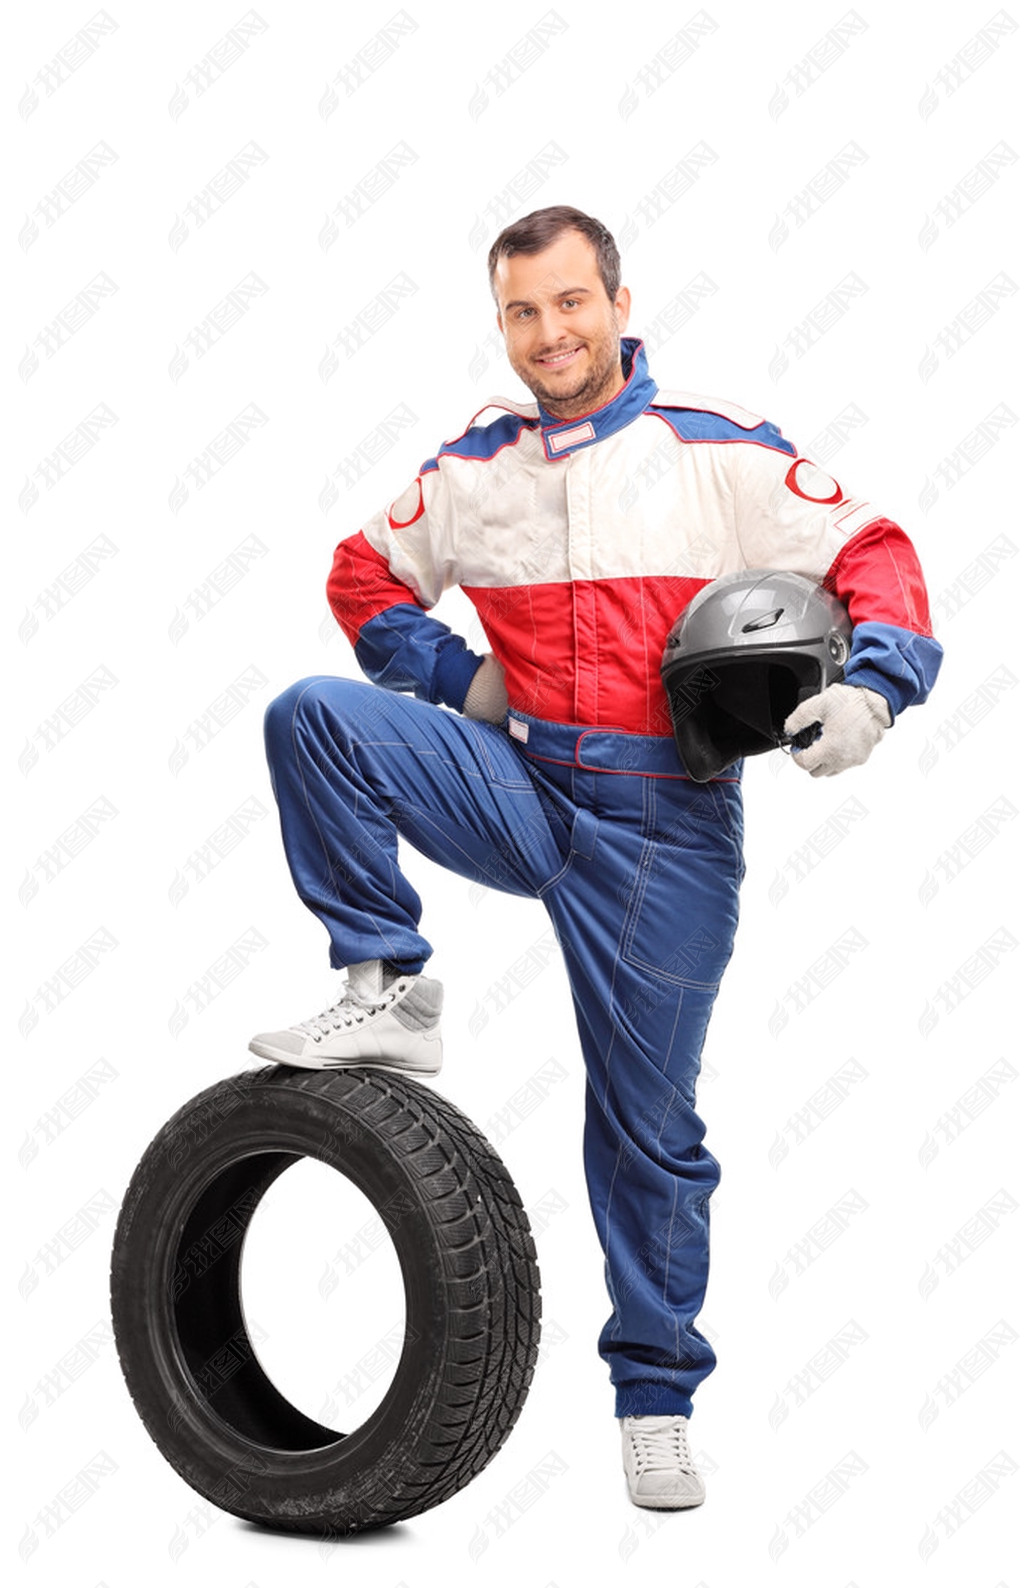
[556, 360]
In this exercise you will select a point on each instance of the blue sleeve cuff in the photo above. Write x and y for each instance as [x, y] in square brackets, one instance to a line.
[899, 665]
[404, 648]
[455, 671]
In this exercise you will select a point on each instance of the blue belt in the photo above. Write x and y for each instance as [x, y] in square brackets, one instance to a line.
[601, 749]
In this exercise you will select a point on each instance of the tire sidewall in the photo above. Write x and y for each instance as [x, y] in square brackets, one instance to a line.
[258, 1115]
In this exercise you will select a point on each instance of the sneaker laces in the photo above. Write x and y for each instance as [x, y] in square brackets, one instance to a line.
[663, 1447]
[350, 1010]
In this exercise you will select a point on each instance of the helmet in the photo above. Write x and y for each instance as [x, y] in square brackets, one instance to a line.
[745, 652]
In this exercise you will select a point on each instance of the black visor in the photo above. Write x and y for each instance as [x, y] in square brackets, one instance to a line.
[736, 707]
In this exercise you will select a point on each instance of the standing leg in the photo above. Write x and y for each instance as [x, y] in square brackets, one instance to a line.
[647, 925]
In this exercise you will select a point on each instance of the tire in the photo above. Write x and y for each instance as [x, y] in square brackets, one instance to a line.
[472, 1297]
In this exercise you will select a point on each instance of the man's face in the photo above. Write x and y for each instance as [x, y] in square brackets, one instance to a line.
[561, 332]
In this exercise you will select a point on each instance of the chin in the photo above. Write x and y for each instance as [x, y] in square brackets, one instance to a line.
[567, 393]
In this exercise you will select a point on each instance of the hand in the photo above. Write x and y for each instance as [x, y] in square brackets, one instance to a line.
[851, 719]
[486, 699]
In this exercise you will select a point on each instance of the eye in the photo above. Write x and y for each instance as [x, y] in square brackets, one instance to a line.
[569, 302]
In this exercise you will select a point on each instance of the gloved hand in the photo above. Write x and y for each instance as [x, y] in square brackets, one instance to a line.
[852, 722]
[486, 698]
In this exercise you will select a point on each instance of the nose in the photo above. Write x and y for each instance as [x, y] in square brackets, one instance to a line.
[551, 325]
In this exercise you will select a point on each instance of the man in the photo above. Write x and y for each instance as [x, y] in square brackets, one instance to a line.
[555, 774]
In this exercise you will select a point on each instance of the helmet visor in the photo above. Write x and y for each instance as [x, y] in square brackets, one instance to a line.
[741, 712]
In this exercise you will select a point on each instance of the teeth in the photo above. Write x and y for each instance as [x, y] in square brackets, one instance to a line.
[560, 358]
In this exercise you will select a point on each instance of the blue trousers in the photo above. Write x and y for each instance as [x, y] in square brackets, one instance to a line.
[639, 869]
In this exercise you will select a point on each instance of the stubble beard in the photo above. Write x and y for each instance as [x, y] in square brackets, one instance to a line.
[588, 394]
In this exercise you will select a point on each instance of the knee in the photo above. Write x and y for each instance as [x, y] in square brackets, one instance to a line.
[308, 702]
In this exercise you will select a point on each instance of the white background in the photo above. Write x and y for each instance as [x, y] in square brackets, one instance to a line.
[897, 1052]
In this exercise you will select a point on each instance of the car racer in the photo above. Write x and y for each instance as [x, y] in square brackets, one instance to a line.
[579, 525]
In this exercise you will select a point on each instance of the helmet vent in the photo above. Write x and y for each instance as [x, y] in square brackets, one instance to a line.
[766, 621]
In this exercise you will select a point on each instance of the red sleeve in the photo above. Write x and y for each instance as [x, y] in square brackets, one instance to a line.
[361, 585]
[879, 580]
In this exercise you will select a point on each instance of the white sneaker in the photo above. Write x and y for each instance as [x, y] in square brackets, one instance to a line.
[389, 1025]
[660, 1472]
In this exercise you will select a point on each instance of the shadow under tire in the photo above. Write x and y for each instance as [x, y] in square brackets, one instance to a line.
[472, 1297]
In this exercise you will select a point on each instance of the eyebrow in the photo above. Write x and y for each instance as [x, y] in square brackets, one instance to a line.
[565, 292]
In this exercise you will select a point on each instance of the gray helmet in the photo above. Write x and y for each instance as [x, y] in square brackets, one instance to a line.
[744, 653]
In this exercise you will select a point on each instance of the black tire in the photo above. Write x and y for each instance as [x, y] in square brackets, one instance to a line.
[472, 1294]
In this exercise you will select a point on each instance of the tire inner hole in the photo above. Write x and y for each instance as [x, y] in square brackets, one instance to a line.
[289, 1301]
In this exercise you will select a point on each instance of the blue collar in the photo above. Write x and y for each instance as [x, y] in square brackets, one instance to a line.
[562, 436]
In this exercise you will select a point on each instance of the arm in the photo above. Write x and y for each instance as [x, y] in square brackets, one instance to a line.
[790, 514]
[877, 576]
[382, 581]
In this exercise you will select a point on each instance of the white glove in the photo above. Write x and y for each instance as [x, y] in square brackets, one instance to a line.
[852, 722]
[486, 698]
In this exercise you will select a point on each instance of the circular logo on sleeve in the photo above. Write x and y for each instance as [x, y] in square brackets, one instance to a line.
[408, 507]
[805, 479]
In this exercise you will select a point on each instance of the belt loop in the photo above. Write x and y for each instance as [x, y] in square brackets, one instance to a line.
[584, 786]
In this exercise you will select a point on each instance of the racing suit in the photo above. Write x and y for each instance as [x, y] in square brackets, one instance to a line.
[579, 542]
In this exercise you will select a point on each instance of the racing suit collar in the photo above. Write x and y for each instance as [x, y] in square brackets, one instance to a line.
[562, 436]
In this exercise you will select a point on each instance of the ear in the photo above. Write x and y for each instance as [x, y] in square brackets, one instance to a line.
[501, 327]
[622, 306]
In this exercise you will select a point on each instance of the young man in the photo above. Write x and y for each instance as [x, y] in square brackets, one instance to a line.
[555, 773]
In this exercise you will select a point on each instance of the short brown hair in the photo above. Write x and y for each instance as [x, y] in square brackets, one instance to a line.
[535, 231]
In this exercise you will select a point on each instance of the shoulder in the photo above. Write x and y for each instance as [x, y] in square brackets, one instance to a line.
[694, 417]
[484, 441]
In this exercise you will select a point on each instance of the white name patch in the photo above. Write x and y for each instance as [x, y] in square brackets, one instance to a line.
[569, 438]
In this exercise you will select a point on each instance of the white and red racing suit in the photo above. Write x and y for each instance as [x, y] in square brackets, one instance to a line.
[580, 542]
